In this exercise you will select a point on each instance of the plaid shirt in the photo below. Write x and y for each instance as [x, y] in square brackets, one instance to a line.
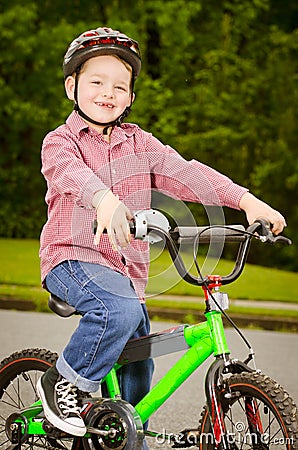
[77, 162]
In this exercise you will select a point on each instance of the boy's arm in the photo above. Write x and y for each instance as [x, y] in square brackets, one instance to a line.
[191, 180]
[66, 172]
[196, 182]
[255, 208]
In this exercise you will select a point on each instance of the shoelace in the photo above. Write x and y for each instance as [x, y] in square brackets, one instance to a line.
[67, 397]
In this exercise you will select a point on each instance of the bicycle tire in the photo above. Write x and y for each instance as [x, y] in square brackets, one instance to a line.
[276, 414]
[19, 373]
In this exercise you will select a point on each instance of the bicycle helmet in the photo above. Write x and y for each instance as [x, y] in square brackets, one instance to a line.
[101, 41]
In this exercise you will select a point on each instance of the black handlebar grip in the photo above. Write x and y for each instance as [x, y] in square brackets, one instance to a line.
[265, 230]
[95, 223]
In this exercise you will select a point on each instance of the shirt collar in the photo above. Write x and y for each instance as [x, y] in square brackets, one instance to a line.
[76, 125]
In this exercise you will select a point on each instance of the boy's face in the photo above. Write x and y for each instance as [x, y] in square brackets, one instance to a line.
[104, 89]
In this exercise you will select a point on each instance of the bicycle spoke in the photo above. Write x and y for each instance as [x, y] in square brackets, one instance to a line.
[255, 419]
[4, 442]
[33, 383]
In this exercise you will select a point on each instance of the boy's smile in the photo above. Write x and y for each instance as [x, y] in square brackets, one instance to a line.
[106, 105]
[104, 89]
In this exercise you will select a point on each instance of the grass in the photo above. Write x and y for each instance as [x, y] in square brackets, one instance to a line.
[19, 262]
[20, 279]
[255, 283]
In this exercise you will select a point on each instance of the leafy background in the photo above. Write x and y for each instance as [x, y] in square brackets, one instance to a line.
[218, 83]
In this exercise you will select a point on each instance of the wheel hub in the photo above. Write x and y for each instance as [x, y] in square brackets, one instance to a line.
[115, 436]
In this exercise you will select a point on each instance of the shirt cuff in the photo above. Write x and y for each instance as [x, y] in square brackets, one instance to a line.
[98, 196]
[233, 196]
[90, 189]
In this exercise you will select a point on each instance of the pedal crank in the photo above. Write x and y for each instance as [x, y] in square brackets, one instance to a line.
[112, 432]
[186, 439]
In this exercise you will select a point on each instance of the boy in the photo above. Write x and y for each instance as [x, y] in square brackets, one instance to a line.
[97, 167]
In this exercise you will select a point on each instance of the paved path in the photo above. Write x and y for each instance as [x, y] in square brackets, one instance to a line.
[244, 303]
[276, 356]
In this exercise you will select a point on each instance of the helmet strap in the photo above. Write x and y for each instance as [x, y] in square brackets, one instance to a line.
[117, 122]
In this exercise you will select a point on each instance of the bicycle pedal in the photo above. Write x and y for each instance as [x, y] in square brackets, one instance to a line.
[186, 439]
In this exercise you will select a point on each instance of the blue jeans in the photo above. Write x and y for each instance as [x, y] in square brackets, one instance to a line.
[111, 315]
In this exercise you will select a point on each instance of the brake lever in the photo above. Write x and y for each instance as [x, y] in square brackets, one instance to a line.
[266, 235]
[281, 239]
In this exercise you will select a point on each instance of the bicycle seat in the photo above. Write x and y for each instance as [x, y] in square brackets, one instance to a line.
[60, 307]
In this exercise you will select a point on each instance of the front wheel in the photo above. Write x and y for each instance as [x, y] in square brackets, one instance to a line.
[257, 413]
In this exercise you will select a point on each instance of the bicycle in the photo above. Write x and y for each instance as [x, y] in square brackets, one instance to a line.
[236, 392]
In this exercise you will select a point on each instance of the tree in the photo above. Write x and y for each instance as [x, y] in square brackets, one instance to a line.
[218, 83]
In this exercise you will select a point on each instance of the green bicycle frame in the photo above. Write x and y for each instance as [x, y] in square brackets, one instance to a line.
[203, 340]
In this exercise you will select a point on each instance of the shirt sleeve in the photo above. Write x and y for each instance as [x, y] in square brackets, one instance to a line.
[190, 180]
[66, 172]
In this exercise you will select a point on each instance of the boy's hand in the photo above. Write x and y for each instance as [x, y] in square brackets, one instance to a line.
[113, 216]
[256, 209]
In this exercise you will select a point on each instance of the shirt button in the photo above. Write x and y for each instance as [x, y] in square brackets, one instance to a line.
[113, 171]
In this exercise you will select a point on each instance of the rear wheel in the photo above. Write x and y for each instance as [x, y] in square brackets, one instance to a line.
[258, 415]
[18, 376]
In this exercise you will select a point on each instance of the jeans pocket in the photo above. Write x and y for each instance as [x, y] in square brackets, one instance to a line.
[56, 286]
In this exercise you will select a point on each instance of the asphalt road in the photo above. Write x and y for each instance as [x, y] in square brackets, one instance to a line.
[276, 355]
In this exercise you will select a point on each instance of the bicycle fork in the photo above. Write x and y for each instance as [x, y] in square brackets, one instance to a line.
[214, 381]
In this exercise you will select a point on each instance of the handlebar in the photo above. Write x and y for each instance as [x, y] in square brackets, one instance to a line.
[152, 225]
